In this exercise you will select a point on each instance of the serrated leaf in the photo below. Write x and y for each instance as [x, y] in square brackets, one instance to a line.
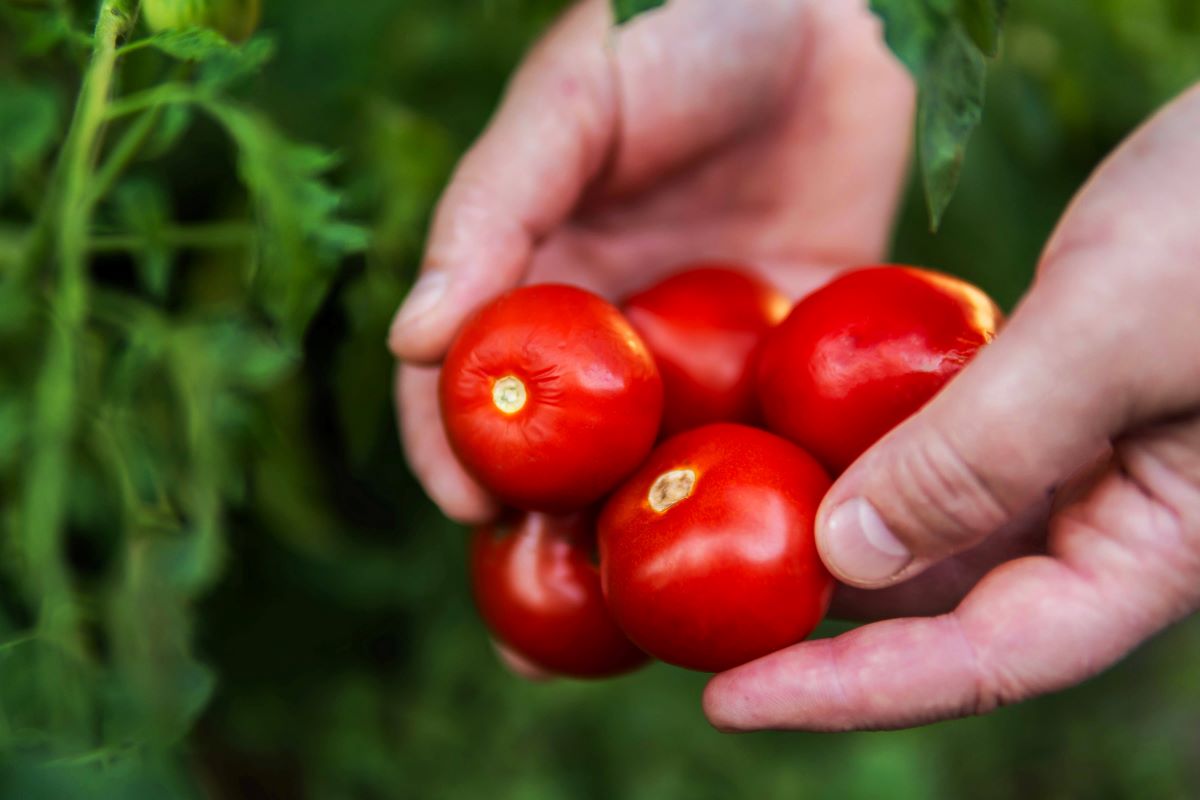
[192, 44]
[236, 63]
[303, 238]
[983, 20]
[625, 10]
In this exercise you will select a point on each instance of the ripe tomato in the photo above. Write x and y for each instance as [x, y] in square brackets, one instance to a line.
[860, 355]
[704, 327]
[550, 398]
[538, 590]
[707, 554]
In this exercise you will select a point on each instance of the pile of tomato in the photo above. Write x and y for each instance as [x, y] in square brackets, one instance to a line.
[664, 461]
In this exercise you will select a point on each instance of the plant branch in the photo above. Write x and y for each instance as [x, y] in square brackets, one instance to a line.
[212, 236]
[54, 420]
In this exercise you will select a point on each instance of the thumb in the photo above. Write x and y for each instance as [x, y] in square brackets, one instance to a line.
[1035, 406]
[517, 183]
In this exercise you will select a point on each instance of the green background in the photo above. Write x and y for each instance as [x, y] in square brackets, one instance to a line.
[347, 658]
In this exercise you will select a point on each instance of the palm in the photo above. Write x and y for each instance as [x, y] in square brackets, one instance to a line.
[790, 163]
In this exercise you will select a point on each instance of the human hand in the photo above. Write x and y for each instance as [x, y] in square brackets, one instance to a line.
[1097, 375]
[774, 134]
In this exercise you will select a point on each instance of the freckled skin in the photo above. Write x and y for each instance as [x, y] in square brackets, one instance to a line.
[730, 572]
[538, 590]
[593, 398]
[704, 326]
[857, 357]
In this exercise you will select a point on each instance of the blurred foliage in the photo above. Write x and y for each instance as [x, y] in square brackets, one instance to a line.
[218, 578]
[944, 46]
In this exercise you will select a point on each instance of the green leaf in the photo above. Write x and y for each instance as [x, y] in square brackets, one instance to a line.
[12, 429]
[949, 110]
[30, 121]
[40, 30]
[142, 209]
[625, 10]
[303, 237]
[235, 63]
[173, 123]
[983, 20]
[191, 44]
[943, 43]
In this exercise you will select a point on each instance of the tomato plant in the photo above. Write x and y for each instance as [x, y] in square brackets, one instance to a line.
[550, 398]
[537, 587]
[707, 553]
[704, 326]
[860, 355]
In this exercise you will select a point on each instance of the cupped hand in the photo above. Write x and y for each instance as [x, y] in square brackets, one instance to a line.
[1089, 400]
[774, 134]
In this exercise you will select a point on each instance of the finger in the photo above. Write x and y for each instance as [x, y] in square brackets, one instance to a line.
[942, 587]
[521, 178]
[1126, 563]
[458, 495]
[1104, 341]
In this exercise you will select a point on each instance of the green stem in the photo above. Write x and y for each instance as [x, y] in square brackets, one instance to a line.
[53, 424]
[125, 150]
[162, 95]
[213, 236]
[128, 146]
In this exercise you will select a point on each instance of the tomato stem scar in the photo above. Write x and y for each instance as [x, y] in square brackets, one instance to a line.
[508, 394]
[670, 488]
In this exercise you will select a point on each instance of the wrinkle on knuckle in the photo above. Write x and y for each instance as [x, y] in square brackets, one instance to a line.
[937, 494]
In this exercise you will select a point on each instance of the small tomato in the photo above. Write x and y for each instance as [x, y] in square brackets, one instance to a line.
[704, 327]
[538, 589]
[863, 353]
[707, 553]
[550, 398]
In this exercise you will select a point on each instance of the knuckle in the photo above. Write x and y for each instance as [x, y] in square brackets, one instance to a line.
[937, 499]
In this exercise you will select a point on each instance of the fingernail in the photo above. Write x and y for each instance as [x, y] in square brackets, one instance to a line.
[859, 546]
[423, 298]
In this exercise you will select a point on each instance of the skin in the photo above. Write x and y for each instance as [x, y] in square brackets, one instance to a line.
[1074, 436]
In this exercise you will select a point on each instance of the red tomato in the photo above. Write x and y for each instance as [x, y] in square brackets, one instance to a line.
[704, 327]
[550, 398]
[707, 554]
[860, 355]
[538, 590]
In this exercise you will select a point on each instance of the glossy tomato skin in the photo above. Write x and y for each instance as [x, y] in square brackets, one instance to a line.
[538, 590]
[860, 355]
[586, 399]
[729, 572]
[704, 326]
